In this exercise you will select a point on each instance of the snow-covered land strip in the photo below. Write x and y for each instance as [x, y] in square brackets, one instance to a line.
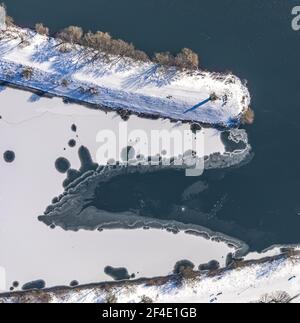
[142, 88]
[269, 280]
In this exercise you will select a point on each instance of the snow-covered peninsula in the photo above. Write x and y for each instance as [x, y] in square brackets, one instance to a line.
[36, 61]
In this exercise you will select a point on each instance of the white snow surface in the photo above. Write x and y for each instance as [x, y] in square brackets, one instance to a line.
[120, 82]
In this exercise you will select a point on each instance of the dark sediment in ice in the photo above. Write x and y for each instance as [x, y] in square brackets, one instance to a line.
[117, 273]
[210, 266]
[37, 284]
[182, 265]
[74, 283]
[72, 143]
[87, 164]
[9, 156]
[62, 165]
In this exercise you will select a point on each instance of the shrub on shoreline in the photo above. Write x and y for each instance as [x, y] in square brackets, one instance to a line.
[71, 34]
[9, 21]
[104, 43]
[41, 29]
[164, 59]
[186, 59]
[248, 116]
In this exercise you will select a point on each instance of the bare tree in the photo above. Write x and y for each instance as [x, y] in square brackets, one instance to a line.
[103, 42]
[71, 34]
[99, 40]
[41, 29]
[9, 21]
[279, 297]
[141, 56]
[187, 59]
[164, 59]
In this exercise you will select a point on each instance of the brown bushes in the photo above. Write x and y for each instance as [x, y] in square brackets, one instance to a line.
[186, 59]
[71, 34]
[164, 59]
[41, 29]
[98, 41]
[248, 116]
[103, 42]
[9, 21]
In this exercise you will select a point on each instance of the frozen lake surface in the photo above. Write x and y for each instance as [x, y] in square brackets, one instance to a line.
[37, 130]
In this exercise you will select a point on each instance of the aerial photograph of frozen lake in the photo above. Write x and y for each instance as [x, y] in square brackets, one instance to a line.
[148, 153]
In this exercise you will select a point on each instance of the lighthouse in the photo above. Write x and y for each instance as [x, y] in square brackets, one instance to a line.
[2, 17]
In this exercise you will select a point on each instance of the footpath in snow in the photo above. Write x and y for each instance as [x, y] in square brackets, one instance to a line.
[120, 83]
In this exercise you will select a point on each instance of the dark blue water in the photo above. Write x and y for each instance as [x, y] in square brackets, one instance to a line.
[252, 38]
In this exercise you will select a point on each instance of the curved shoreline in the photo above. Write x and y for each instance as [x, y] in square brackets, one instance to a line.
[104, 292]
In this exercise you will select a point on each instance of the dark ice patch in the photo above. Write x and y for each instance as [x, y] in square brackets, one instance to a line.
[74, 283]
[15, 284]
[72, 143]
[34, 98]
[195, 127]
[229, 259]
[124, 114]
[182, 265]
[117, 273]
[37, 284]
[87, 164]
[62, 165]
[9, 156]
[210, 266]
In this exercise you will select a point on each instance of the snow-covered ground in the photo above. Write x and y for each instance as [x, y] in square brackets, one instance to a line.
[121, 83]
[270, 280]
[37, 130]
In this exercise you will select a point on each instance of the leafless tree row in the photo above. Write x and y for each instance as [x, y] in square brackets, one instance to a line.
[103, 42]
